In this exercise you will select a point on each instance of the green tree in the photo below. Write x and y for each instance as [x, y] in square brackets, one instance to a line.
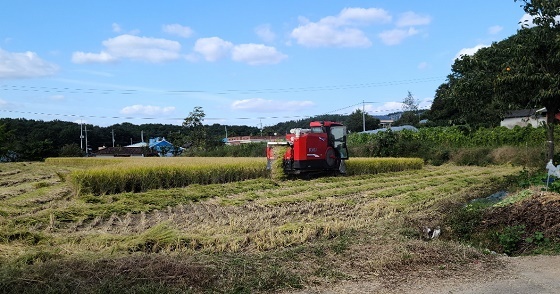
[355, 121]
[410, 114]
[4, 142]
[535, 65]
[196, 131]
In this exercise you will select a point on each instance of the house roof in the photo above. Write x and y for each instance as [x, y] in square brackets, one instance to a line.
[138, 145]
[523, 113]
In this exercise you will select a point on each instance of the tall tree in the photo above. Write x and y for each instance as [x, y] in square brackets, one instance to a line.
[535, 65]
[410, 111]
[196, 132]
[410, 103]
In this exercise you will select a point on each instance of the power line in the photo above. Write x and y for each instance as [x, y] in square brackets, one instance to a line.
[182, 118]
[25, 88]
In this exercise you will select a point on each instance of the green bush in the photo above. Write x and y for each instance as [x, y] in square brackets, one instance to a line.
[510, 238]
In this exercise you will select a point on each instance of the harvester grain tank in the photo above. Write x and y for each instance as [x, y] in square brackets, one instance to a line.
[321, 148]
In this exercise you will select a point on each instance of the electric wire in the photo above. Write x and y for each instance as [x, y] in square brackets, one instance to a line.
[90, 90]
[25, 88]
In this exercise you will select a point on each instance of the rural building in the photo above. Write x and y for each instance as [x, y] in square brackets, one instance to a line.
[385, 121]
[524, 117]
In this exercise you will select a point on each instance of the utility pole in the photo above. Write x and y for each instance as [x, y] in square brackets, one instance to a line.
[113, 136]
[81, 135]
[364, 114]
[87, 149]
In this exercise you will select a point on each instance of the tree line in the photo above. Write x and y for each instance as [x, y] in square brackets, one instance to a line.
[31, 140]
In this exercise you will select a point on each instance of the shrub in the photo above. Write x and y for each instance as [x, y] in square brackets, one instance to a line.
[472, 156]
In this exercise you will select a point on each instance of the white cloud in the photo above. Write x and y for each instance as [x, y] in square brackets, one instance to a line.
[321, 35]
[381, 109]
[410, 19]
[262, 105]
[116, 28]
[147, 110]
[394, 106]
[3, 103]
[24, 65]
[265, 33]
[363, 15]
[212, 48]
[493, 30]
[256, 54]
[426, 103]
[132, 47]
[178, 30]
[423, 65]
[102, 57]
[527, 20]
[469, 51]
[396, 36]
[340, 30]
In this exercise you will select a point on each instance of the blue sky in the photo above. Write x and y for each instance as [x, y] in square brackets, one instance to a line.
[244, 62]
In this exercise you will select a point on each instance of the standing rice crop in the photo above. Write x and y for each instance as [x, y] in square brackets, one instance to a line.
[137, 175]
[375, 165]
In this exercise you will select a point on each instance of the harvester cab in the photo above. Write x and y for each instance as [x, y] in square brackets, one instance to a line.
[321, 148]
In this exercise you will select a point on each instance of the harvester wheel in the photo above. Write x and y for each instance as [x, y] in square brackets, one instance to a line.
[330, 157]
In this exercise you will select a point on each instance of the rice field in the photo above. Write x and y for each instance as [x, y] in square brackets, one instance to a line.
[110, 176]
[248, 235]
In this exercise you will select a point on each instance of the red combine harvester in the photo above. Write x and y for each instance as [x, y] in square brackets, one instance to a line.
[321, 148]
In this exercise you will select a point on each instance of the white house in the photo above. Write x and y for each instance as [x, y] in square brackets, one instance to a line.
[524, 117]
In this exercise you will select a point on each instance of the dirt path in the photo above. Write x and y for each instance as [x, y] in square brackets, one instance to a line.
[528, 274]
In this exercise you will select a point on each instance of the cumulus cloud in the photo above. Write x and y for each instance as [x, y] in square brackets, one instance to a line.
[102, 57]
[493, 30]
[469, 51]
[256, 54]
[178, 30]
[212, 48]
[412, 19]
[24, 65]
[132, 47]
[147, 110]
[396, 36]
[263, 105]
[340, 30]
[265, 33]
[386, 107]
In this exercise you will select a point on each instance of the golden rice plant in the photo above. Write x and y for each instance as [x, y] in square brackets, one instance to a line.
[146, 174]
[277, 167]
[375, 165]
[82, 161]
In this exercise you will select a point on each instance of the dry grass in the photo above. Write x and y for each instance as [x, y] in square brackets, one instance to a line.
[307, 231]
